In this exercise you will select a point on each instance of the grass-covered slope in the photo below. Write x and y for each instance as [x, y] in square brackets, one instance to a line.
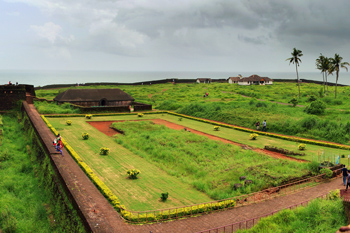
[321, 215]
[25, 204]
[225, 103]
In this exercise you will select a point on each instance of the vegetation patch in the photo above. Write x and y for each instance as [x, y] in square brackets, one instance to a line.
[29, 198]
[283, 151]
[210, 166]
[320, 215]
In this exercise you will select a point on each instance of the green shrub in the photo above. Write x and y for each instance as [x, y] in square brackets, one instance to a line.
[312, 98]
[68, 122]
[316, 108]
[8, 222]
[164, 196]
[140, 114]
[314, 167]
[85, 136]
[253, 136]
[337, 102]
[328, 172]
[333, 195]
[104, 151]
[180, 119]
[88, 116]
[302, 146]
[133, 173]
[293, 101]
[216, 128]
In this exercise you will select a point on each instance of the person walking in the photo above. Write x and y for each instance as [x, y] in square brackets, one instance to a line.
[348, 181]
[345, 174]
[264, 126]
[257, 124]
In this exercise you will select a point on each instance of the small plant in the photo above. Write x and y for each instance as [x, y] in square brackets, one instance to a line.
[180, 119]
[216, 128]
[85, 136]
[68, 122]
[88, 116]
[343, 156]
[140, 114]
[328, 172]
[312, 98]
[333, 195]
[253, 136]
[293, 101]
[164, 196]
[302, 147]
[132, 173]
[104, 151]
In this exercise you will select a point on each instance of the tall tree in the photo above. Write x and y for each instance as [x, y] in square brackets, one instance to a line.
[319, 62]
[336, 64]
[323, 64]
[295, 59]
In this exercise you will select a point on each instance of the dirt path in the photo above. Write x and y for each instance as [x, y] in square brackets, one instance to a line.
[104, 127]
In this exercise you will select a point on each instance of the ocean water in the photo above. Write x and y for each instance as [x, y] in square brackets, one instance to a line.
[42, 78]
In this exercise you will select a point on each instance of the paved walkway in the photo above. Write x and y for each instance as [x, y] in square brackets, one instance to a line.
[106, 219]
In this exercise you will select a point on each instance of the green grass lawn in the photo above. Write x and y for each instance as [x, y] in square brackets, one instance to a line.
[211, 166]
[141, 194]
[144, 193]
[313, 152]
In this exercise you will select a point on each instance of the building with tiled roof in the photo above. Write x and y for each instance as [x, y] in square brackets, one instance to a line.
[255, 80]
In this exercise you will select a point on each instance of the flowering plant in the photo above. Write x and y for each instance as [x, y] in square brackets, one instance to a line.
[104, 151]
[132, 173]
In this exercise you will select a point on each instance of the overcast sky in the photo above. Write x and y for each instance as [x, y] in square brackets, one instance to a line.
[176, 35]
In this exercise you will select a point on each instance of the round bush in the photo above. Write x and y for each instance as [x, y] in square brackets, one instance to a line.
[253, 136]
[68, 122]
[316, 107]
[328, 173]
[140, 114]
[302, 147]
[88, 116]
[104, 151]
[85, 136]
[216, 128]
[132, 173]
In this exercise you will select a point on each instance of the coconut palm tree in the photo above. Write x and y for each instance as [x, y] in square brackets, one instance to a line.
[336, 64]
[319, 62]
[295, 59]
[323, 64]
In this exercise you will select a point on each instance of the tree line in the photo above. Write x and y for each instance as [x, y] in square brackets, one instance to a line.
[326, 65]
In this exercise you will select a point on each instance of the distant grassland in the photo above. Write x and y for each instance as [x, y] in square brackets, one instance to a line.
[225, 103]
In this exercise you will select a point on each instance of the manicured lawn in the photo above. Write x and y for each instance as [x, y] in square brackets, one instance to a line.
[141, 194]
[313, 152]
[144, 193]
[211, 166]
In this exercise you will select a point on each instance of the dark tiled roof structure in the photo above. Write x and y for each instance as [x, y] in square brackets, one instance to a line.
[234, 78]
[73, 95]
[255, 78]
[203, 79]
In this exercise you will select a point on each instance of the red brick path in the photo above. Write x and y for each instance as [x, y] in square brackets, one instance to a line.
[106, 219]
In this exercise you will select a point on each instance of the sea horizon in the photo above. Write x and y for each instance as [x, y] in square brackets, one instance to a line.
[49, 77]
